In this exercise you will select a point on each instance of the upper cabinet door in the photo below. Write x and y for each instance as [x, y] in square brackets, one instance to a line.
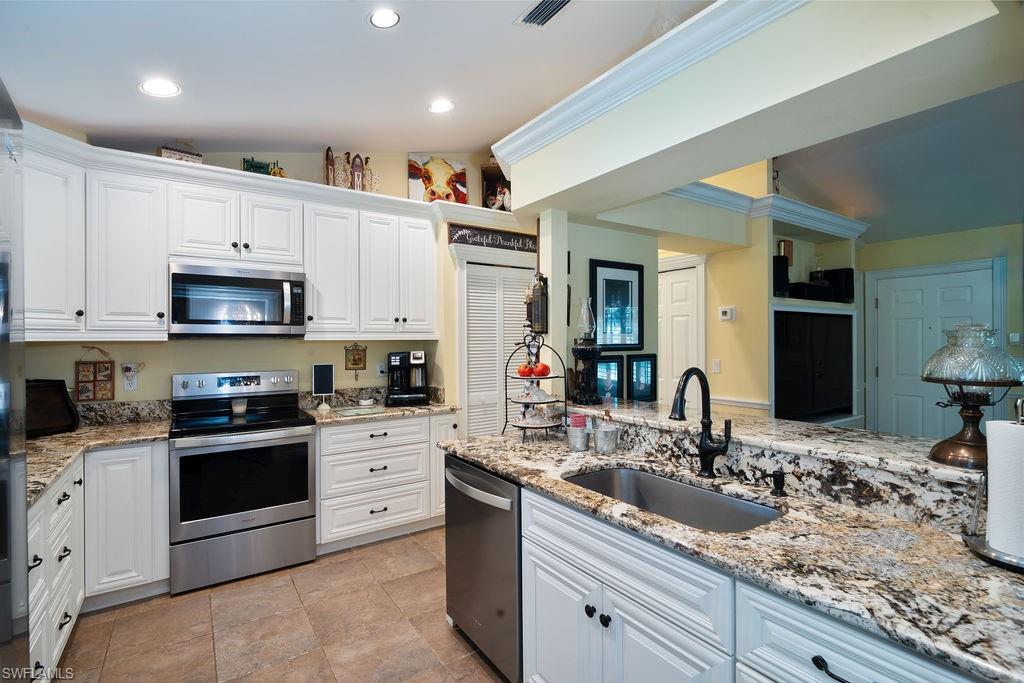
[417, 272]
[331, 243]
[271, 229]
[379, 303]
[126, 254]
[54, 216]
[203, 221]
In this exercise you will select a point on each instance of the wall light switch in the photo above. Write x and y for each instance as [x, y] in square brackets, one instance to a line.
[726, 313]
[130, 376]
[716, 366]
[381, 370]
[1015, 337]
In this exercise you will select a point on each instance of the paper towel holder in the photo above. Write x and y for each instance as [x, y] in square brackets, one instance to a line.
[978, 543]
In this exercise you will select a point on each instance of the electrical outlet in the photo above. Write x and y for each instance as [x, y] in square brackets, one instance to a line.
[130, 376]
[716, 366]
[381, 369]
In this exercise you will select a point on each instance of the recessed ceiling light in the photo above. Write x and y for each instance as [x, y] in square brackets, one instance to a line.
[384, 18]
[160, 87]
[441, 105]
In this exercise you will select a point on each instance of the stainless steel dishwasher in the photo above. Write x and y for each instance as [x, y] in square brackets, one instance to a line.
[482, 546]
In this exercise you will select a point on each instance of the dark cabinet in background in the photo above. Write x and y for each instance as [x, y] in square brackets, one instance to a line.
[813, 364]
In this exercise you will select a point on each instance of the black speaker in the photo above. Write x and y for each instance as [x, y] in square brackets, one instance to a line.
[780, 275]
[814, 291]
[841, 280]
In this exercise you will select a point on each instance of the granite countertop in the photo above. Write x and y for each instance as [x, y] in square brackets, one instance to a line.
[48, 456]
[913, 584]
[901, 454]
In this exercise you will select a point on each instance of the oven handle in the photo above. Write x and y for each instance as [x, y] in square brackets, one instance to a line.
[477, 494]
[286, 316]
[242, 437]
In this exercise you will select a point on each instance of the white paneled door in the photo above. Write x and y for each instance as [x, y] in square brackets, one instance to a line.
[912, 313]
[678, 330]
[379, 298]
[331, 243]
[495, 312]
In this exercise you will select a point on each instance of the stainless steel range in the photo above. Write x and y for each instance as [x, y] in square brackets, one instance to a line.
[242, 476]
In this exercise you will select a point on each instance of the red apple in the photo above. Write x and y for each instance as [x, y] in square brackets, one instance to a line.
[541, 370]
[524, 370]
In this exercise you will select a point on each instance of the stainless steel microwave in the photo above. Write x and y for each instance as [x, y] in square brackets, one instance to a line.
[209, 300]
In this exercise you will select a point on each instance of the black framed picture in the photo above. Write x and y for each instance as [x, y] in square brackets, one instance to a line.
[617, 292]
[611, 378]
[642, 377]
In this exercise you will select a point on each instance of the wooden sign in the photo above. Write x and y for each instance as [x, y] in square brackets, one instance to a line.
[495, 239]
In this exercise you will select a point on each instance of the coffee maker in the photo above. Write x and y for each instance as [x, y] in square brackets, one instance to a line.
[407, 379]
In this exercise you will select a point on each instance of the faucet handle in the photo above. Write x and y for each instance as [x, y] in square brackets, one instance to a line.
[728, 431]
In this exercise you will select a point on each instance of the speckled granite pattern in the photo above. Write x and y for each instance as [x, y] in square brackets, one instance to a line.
[351, 396]
[120, 412]
[334, 418]
[911, 583]
[48, 456]
[875, 472]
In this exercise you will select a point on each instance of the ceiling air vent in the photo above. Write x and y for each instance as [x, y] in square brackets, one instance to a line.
[543, 12]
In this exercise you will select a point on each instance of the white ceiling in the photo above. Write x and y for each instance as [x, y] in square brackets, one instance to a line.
[295, 76]
[955, 167]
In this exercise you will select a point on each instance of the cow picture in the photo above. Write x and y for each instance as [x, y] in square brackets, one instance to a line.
[432, 177]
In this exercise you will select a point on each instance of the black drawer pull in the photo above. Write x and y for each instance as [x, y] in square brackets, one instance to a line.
[37, 671]
[373, 436]
[605, 620]
[378, 469]
[383, 509]
[36, 561]
[63, 497]
[63, 553]
[590, 610]
[78, 482]
[64, 621]
[821, 665]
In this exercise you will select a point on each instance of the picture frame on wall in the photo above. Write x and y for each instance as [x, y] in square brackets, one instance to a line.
[611, 378]
[617, 291]
[642, 377]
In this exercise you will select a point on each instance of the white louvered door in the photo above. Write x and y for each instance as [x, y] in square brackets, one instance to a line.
[494, 316]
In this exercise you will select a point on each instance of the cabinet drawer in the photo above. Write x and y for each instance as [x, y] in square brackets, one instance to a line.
[38, 553]
[39, 643]
[359, 513]
[62, 619]
[359, 437]
[58, 501]
[59, 552]
[364, 471]
[778, 638]
[690, 594]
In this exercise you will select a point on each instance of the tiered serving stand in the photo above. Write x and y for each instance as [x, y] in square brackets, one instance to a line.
[533, 344]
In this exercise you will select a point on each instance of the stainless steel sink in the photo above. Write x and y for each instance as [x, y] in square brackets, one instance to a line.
[690, 505]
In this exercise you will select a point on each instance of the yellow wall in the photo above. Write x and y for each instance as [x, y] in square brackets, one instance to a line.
[965, 245]
[753, 180]
[740, 278]
[587, 242]
[162, 359]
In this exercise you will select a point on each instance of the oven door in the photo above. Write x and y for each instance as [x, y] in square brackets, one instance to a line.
[237, 301]
[233, 482]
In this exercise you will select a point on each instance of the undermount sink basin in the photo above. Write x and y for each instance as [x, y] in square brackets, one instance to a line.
[690, 505]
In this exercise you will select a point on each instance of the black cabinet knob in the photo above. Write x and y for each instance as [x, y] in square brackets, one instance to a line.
[36, 561]
[396, 320]
[79, 313]
[160, 315]
[821, 665]
[405, 320]
[245, 245]
[455, 425]
[309, 317]
[64, 621]
[234, 245]
[590, 610]
[605, 620]
[63, 553]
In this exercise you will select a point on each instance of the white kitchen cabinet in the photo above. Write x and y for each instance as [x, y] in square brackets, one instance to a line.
[379, 292]
[562, 638]
[202, 221]
[271, 229]
[54, 218]
[417, 276]
[126, 256]
[126, 517]
[442, 428]
[331, 244]
[640, 646]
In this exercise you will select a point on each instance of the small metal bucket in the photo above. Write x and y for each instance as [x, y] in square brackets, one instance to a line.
[606, 441]
[579, 439]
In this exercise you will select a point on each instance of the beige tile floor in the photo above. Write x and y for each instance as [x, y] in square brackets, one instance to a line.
[374, 613]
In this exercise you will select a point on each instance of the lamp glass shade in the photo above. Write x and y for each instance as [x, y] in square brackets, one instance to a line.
[587, 323]
[971, 359]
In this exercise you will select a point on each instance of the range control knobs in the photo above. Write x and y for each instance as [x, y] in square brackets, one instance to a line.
[287, 379]
[201, 383]
[184, 384]
[275, 380]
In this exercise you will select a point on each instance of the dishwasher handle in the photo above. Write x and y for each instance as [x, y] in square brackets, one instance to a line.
[477, 494]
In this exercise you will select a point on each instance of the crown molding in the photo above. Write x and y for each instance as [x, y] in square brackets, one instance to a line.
[476, 216]
[781, 208]
[696, 39]
[714, 196]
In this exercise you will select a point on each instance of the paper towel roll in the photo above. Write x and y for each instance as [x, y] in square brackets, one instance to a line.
[1006, 487]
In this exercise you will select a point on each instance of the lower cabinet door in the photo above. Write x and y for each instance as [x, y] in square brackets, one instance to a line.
[442, 428]
[639, 646]
[561, 632]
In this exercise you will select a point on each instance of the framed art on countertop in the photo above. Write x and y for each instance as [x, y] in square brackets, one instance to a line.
[642, 377]
[610, 377]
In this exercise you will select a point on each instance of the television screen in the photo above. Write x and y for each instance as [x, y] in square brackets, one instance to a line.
[813, 365]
